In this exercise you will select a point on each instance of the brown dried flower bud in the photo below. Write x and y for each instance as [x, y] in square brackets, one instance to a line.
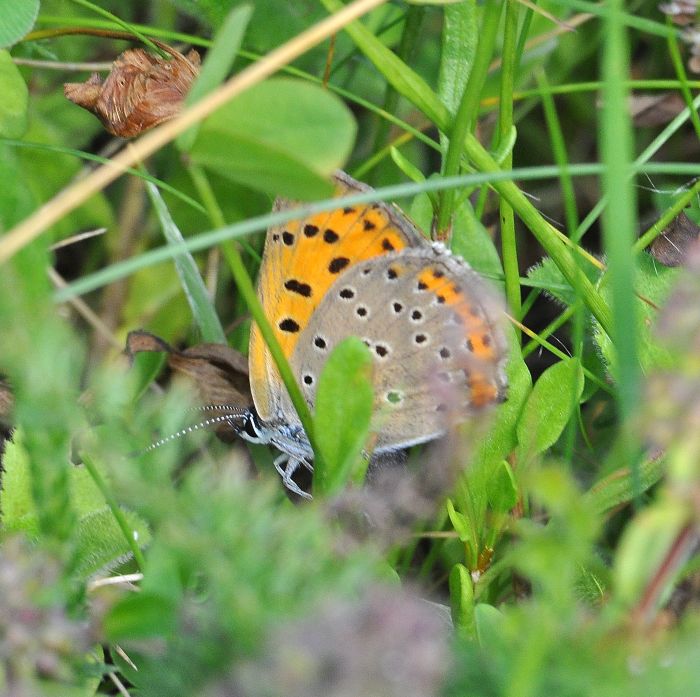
[141, 91]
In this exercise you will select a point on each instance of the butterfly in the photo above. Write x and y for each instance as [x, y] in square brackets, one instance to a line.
[431, 324]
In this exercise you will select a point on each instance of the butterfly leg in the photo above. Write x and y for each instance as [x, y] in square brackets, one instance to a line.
[286, 466]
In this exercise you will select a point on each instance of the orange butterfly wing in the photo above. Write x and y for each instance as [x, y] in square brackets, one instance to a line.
[301, 261]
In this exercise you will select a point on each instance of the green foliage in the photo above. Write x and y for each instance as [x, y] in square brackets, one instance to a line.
[344, 396]
[559, 524]
[654, 282]
[13, 111]
[282, 136]
[100, 544]
[15, 24]
[549, 408]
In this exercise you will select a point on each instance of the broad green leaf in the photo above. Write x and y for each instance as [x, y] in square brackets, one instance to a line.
[489, 623]
[546, 275]
[140, 616]
[13, 105]
[644, 545]
[16, 19]
[622, 487]
[217, 64]
[343, 412]
[502, 491]
[462, 598]
[282, 136]
[653, 284]
[190, 278]
[549, 407]
[471, 240]
[460, 36]
[100, 542]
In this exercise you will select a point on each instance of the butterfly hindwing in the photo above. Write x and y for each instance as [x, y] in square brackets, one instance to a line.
[427, 319]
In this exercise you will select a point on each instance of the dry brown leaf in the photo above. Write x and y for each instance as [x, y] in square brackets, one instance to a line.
[655, 109]
[7, 400]
[671, 247]
[218, 373]
[141, 91]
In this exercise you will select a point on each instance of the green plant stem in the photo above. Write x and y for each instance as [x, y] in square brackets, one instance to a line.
[677, 61]
[669, 214]
[467, 113]
[528, 302]
[245, 288]
[509, 246]
[559, 150]
[619, 220]
[557, 322]
[116, 510]
[414, 88]
[524, 32]
[125, 25]
[545, 234]
[406, 48]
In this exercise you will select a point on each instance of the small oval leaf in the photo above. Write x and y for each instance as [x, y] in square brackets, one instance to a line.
[462, 598]
[549, 407]
[343, 411]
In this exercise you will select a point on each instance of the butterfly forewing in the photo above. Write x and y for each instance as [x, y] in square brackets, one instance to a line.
[301, 261]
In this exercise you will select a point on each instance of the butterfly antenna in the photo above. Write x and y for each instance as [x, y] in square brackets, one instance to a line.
[231, 413]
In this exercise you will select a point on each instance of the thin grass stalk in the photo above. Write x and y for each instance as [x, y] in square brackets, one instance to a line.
[466, 116]
[509, 246]
[407, 46]
[620, 220]
[675, 53]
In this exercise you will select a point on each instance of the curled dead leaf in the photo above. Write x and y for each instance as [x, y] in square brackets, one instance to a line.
[648, 110]
[141, 91]
[681, 12]
[7, 400]
[671, 247]
[218, 373]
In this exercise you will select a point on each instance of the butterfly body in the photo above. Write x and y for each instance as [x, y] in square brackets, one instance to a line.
[429, 321]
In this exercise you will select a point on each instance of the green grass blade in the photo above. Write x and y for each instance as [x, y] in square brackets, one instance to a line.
[197, 295]
[620, 220]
